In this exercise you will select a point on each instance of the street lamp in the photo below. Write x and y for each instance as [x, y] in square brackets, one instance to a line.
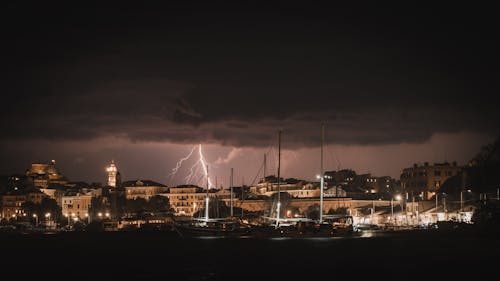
[67, 216]
[436, 201]
[36, 219]
[88, 218]
[462, 200]
[397, 197]
[392, 208]
[107, 215]
[47, 216]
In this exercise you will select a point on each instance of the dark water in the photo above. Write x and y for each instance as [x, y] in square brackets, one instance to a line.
[157, 256]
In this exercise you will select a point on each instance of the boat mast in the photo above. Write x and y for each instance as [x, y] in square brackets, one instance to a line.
[231, 191]
[279, 166]
[265, 164]
[206, 199]
[322, 181]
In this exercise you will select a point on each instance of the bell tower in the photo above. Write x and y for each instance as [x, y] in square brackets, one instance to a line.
[112, 173]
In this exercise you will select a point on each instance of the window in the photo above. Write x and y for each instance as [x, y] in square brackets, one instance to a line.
[437, 173]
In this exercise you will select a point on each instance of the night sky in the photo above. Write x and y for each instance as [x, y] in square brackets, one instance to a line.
[143, 84]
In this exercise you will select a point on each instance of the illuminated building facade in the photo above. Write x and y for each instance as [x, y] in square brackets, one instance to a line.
[186, 200]
[143, 189]
[114, 178]
[44, 175]
[13, 203]
[76, 206]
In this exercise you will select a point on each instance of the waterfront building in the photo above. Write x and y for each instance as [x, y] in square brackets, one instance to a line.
[76, 205]
[186, 200]
[143, 189]
[13, 202]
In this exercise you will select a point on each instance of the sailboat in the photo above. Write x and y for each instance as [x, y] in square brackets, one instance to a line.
[333, 224]
[278, 226]
[206, 226]
[326, 226]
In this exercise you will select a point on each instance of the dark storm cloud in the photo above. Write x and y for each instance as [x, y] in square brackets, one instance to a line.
[235, 76]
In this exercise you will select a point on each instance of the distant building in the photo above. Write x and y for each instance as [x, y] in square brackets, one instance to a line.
[44, 175]
[76, 205]
[13, 202]
[186, 200]
[12, 206]
[296, 188]
[143, 189]
[425, 180]
[343, 177]
[114, 177]
[363, 186]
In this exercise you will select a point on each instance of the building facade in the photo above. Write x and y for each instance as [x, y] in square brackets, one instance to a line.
[43, 175]
[13, 204]
[425, 180]
[114, 177]
[187, 200]
[76, 206]
[143, 189]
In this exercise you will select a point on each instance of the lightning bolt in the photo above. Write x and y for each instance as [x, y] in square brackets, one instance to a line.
[204, 166]
[179, 164]
[196, 173]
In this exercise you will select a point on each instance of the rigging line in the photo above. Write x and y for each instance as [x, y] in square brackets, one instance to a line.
[258, 172]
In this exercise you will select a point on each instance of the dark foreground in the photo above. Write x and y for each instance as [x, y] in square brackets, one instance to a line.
[156, 256]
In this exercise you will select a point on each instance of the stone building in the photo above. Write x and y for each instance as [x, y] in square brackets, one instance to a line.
[43, 175]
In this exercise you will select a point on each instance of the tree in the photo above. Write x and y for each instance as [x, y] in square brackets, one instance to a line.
[158, 204]
[97, 206]
[49, 205]
[312, 212]
[136, 206]
[482, 172]
[338, 211]
[31, 208]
